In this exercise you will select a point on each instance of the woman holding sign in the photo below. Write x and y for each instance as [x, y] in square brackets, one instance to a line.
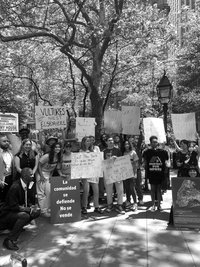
[48, 163]
[65, 171]
[129, 184]
[87, 147]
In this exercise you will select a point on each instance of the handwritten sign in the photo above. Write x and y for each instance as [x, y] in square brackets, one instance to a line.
[86, 165]
[130, 120]
[113, 121]
[85, 127]
[154, 126]
[118, 169]
[49, 117]
[65, 200]
[184, 126]
[9, 122]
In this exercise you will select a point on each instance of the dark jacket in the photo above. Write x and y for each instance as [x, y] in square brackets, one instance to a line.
[15, 198]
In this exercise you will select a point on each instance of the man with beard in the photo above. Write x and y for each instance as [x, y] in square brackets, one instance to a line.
[6, 167]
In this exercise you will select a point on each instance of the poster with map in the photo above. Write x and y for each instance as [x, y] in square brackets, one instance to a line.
[186, 202]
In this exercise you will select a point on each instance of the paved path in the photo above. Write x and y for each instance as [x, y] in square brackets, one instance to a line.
[137, 239]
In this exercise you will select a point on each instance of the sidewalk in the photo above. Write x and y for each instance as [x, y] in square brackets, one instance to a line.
[137, 239]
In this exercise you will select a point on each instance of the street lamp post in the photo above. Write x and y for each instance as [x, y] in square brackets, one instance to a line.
[164, 91]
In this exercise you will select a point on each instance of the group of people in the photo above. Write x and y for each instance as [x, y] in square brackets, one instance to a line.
[25, 178]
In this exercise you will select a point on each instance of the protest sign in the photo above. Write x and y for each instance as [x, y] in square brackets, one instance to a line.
[65, 200]
[154, 126]
[118, 169]
[184, 126]
[186, 202]
[9, 122]
[85, 127]
[130, 120]
[113, 121]
[86, 165]
[49, 117]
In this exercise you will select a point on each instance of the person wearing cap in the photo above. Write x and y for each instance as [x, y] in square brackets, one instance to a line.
[51, 140]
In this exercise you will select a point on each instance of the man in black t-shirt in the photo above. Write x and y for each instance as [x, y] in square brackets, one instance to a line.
[155, 160]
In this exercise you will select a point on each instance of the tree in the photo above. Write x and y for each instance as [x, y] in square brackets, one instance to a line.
[188, 67]
[94, 36]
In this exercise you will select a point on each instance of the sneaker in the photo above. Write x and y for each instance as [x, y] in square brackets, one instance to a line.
[98, 210]
[134, 207]
[141, 202]
[84, 211]
[159, 208]
[127, 204]
[153, 208]
[46, 214]
[10, 244]
[109, 208]
[119, 209]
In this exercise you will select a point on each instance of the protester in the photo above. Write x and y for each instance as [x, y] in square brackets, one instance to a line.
[65, 170]
[129, 184]
[19, 209]
[48, 164]
[113, 152]
[26, 157]
[155, 161]
[186, 157]
[117, 142]
[137, 145]
[6, 167]
[49, 143]
[102, 145]
[94, 182]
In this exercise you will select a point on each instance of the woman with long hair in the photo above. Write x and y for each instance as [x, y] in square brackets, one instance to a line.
[94, 182]
[65, 170]
[48, 164]
[26, 158]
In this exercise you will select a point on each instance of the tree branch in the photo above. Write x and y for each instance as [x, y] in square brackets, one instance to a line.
[29, 36]
[73, 86]
[85, 95]
[111, 81]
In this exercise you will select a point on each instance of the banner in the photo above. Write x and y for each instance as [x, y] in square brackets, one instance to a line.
[186, 202]
[118, 169]
[130, 120]
[65, 200]
[184, 126]
[154, 126]
[85, 127]
[9, 122]
[113, 121]
[86, 165]
[49, 117]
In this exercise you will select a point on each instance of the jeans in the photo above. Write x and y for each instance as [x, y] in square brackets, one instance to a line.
[86, 187]
[109, 192]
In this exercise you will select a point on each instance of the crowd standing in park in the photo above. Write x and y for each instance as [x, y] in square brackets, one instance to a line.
[25, 177]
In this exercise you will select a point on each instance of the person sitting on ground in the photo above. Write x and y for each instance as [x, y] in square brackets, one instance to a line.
[19, 209]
